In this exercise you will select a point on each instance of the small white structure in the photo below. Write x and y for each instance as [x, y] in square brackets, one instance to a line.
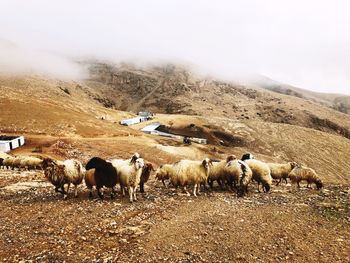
[152, 129]
[143, 116]
[146, 114]
[8, 143]
[133, 121]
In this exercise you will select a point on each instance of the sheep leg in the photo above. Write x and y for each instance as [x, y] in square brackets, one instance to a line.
[210, 182]
[259, 187]
[100, 191]
[285, 179]
[142, 190]
[135, 190]
[185, 190]
[164, 183]
[122, 189]
[90, 194]
[131, 192]
[279, 182]
[75, 190]
[65, 195]
[298, 184]
[220, 184]
[194, 189]
[113, 191]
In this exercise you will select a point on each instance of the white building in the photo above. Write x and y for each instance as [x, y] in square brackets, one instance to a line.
[133, 121]
[8, 143]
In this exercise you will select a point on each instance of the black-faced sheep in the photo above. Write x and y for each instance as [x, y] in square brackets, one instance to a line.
[146, 172]
[281, 171]
[130, 176]
[60, 173]
[187, 172]
[103, 174]
[261, 173]
[301, 173]
[238, 171]
[218, 172]
[8, 161]
[247, 156]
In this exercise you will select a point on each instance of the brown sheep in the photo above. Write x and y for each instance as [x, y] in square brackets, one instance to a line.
[302, 173]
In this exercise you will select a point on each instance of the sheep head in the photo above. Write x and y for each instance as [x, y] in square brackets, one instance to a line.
[293, 165]
[134, 157]
[48, 162]
[139, 163]
[231, 158]
[247, 156]
[206, 163]
[149, 167]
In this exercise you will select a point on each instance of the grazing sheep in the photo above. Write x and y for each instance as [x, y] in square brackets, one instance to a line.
[29, 162]
[103, 174]
[16, 163]
[261, 173]
[130, 177]
[61, 173]
[164, 172]
[146, 172]
[187, 172]
[301, 173]
[281, 171]
[218, 172]
[239, 172]
[8, 161]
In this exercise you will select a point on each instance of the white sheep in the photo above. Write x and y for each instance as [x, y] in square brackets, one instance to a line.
[188, 172]
[302, 173]
[16, 163]
[121, 162]
[129, 176]
[281, 171]
[217, 171]
[239, 172]
[261, 173]
[164, 172]
[29, 162]
[61, 173]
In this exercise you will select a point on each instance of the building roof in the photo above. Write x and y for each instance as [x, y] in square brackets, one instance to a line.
[153, 126]
[8, 138]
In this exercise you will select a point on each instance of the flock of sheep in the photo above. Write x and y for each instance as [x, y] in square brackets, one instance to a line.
[134, 172]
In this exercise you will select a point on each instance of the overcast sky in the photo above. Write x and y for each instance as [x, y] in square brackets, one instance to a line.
[302, 43]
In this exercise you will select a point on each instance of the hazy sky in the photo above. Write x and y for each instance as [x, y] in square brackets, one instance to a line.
[303, 43]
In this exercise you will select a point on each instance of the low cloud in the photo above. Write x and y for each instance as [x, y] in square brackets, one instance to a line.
[302, 43]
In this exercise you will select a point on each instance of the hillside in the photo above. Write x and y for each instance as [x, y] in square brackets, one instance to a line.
[172, 89]
[338, 102]
[80, 119]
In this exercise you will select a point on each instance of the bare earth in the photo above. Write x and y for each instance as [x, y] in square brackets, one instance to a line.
[286, 225]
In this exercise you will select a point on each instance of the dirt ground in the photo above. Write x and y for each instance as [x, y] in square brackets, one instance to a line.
[286, 225]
